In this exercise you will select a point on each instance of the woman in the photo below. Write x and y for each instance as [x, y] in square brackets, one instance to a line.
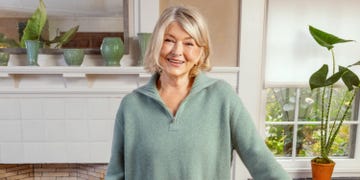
[183, 125]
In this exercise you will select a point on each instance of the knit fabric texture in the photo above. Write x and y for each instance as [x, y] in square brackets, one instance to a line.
[197, 143]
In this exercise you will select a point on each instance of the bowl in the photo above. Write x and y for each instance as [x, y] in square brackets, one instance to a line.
[74, 57]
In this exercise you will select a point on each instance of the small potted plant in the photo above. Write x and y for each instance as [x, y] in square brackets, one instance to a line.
[325, 81]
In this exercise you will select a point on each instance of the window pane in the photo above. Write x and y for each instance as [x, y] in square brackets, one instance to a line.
[309, 105]
[280, 104]
[308, 145]
[280, 121]
[311, 101]
[341, 145]
[279, 139]
[308, 140]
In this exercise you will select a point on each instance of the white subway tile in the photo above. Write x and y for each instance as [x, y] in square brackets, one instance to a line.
[75, 110]
[55, 130]
[34, 130]
[98, 108]
[11, 153]
[54, 108]
[78, 152]
[34, 153]
[55, 152]
[100, 130]
[10, 131]
[9, 109]
[77, 130]
[31, 109]
[114, 106]
[100, 152]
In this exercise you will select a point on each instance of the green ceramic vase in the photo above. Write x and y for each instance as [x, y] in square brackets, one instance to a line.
[4, 58]
[144, 39]
[32, 51]
[112, 50]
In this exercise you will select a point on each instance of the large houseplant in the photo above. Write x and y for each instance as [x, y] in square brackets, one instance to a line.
[35, 25]
[325, 81]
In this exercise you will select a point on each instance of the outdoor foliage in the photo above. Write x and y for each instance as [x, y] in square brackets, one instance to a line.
[280, 107]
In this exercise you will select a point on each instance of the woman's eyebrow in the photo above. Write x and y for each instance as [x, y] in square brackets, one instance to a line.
[186, 38]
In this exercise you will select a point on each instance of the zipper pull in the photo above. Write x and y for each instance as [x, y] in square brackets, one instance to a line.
[173, 126]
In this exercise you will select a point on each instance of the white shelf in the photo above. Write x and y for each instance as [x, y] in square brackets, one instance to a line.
[83, 80]
[90, 70]
[70, 69]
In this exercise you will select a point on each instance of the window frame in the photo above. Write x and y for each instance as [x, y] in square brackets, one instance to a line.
[300, 166]
[251, 89]
[298, 122]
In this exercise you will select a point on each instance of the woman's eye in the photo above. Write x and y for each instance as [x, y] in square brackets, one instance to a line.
[189, 44]
[169, 40]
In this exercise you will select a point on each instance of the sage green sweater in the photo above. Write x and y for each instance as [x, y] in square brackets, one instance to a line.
[151, 144]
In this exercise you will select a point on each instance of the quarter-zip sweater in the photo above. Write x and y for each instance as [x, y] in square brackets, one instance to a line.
[150, 143]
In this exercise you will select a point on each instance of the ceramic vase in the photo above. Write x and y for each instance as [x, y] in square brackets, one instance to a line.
[112, 50]
[144, 39]
[4, 58]
[32, 51]
[74, 57]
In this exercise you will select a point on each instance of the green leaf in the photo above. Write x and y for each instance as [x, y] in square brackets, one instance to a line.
[65, 38]
[355, 64]
[318, 79]
[334, 78]
[325, 39]
[350, 79]
[35, 24]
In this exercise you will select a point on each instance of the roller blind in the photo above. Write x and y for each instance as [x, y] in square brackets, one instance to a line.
[291, 55]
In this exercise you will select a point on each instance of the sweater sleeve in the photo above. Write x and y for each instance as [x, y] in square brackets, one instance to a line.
[115, 170]
[251, 148]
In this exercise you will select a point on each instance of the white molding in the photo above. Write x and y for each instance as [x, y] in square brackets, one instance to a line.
[145, 15]
[81, 92]
[63, 81]
[90, 70]
[252, 19]
[73, 70]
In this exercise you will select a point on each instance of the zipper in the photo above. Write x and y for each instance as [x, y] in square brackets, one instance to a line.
[173, 124]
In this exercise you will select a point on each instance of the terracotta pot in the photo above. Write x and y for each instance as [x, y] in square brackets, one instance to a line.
[322, 171]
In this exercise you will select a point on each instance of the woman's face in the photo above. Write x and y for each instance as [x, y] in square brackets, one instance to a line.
[179, 52]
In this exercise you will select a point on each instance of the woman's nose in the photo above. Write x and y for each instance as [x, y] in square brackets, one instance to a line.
[177, 49]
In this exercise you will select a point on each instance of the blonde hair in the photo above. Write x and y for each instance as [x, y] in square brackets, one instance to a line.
[193, 23]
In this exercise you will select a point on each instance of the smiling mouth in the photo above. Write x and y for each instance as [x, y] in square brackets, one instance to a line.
[175, 61]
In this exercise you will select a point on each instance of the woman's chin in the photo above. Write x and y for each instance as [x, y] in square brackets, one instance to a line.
[175, 72]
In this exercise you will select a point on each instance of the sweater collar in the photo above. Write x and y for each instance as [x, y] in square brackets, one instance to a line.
[201, 82]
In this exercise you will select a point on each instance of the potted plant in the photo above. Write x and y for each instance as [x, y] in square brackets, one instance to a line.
[34, 29]
[35, 25]
[324, 82]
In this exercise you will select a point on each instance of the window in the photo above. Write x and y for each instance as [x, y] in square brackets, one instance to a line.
[293, 120]
[290, 118]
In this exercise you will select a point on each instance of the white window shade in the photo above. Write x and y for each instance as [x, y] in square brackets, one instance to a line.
[291, 53]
